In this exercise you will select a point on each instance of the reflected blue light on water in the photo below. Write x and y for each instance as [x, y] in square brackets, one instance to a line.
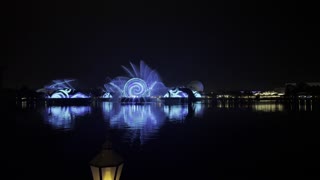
[176, 112]
[141, 121]
[137, 117]
[180, 112]
[148, 117]
[62, 117]
[268, 106]
[199, 109]
[231, 135]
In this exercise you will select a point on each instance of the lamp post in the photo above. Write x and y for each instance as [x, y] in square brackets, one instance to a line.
[107, 165]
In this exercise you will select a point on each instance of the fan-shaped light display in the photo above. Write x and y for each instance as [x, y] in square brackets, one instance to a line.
[141, 82]
[61, 89]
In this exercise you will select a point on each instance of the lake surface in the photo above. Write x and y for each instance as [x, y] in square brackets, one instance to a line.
[220, 140]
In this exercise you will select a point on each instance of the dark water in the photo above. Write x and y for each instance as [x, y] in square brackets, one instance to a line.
[262, 140]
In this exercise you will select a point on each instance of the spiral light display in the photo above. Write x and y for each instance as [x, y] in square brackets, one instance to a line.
[62, 93]
[135, 87]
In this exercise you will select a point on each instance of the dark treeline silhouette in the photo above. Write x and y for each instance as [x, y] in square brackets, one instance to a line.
[302, 88]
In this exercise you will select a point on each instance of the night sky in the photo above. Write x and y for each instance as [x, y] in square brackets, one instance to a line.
[225, 44]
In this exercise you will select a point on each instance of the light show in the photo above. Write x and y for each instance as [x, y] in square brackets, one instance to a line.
[141, 121]
[142, 82]
[175, 93]
[136, 87]
[61, 89]
[106, 95]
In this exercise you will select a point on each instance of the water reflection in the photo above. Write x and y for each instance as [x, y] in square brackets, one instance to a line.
[62, 117]
[138, 116]
[305, 105]
[143, 121]
[183, 111]
[176, 112]
[199, 109]
[268, 106]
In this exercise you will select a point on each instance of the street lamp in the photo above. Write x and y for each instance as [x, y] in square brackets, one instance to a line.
[107, 165]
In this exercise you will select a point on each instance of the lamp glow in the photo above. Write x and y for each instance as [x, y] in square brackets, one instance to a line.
[107, 165]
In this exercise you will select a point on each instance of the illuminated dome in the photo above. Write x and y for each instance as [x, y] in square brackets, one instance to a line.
[195, 86]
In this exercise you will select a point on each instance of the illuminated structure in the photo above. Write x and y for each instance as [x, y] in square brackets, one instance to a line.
[142, 82]
[60, 89]
[184, 92]
[106, 95]
[175, 93]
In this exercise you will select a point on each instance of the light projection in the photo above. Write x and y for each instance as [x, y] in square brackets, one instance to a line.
[67, 93]
[107, 95]
[62, 93]
[136, 87]
[62, 117]
[175, 93]
[196, 94]
[62, 89]
[141, 82]
[60, 84]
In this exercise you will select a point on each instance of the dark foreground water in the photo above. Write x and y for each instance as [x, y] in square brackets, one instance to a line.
[262, 140]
